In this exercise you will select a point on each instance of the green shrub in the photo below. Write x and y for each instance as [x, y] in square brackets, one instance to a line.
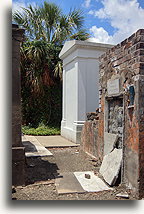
[46, 109]
[41, 130]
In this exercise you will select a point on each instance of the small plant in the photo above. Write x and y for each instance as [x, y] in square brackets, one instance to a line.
[42, 130]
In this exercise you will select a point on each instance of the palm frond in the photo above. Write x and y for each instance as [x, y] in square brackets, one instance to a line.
[80, 35]
[46, 28]
[76, 18]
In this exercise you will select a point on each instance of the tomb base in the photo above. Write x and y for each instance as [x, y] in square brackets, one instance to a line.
[72, 133]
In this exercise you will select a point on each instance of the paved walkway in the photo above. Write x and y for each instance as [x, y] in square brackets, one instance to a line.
[69, 170]
[55, 141]
[66, 182]
[33, 148]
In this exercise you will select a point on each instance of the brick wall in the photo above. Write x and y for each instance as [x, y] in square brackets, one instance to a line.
[125, 62]
[89, 139]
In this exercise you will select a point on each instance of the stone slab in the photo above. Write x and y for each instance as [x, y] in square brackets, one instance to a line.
[67, 183]
[55, 141]
[122, 195]
[33, 148]
[93, 184]
[111, 166]
[109, 142]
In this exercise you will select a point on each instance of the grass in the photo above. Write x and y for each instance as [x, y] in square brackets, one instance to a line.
[41, 130]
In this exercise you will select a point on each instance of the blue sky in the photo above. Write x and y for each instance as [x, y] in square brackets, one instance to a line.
[107, 21]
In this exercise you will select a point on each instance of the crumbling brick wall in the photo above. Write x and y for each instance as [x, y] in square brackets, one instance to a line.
[125, 63]
[90, 137]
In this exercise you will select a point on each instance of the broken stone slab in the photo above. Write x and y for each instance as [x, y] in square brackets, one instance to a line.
[109, 142]
[122, 195]
[94, 184]
[111, 165]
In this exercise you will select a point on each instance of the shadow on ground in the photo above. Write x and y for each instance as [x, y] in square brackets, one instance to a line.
[29, 147]
[40, 169]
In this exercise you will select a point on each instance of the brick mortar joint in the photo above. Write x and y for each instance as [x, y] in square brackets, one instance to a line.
[113, 49]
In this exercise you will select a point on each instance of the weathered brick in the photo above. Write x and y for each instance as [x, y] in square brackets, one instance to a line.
[141, 58]
[138, 65]
[140, 45]
[128, 56]
[123, 43]
[131, 37]
[140, 32]
[141, 71]
[137, 53]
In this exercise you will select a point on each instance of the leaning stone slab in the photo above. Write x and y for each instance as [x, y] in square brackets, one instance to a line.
[111, 166]
[109, 142]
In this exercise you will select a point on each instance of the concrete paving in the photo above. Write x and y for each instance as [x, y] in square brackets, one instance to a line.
[93, 184]
[75, 182]
[67, 183]
[55, 141]
[33, 148]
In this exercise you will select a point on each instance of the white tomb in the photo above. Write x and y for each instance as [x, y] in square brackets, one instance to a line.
[80, 84]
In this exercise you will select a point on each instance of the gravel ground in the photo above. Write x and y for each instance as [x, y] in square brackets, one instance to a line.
[41, 173]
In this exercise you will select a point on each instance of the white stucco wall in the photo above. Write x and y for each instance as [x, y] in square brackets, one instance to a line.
[80, 84]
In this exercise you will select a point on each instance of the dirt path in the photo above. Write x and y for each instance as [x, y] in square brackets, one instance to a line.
[41, 173]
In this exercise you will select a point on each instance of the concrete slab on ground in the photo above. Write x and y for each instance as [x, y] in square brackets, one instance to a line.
[33, 148]
[67, 183]
[75, 182]
[55, 141]
[111, 166]
[91, 184]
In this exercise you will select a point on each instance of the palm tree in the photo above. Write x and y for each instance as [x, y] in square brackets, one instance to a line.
[40, 64]
[50, 24]
[46, 30]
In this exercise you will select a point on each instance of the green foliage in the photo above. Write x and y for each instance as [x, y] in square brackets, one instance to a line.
[40, 65]
[46, 108]
[41, 84]
[41, 130]
[48, 23]
[46, 30]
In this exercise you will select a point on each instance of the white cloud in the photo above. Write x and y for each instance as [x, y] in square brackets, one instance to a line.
[91, 12]
[87, 3]
[100, 35]
[125, 16]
